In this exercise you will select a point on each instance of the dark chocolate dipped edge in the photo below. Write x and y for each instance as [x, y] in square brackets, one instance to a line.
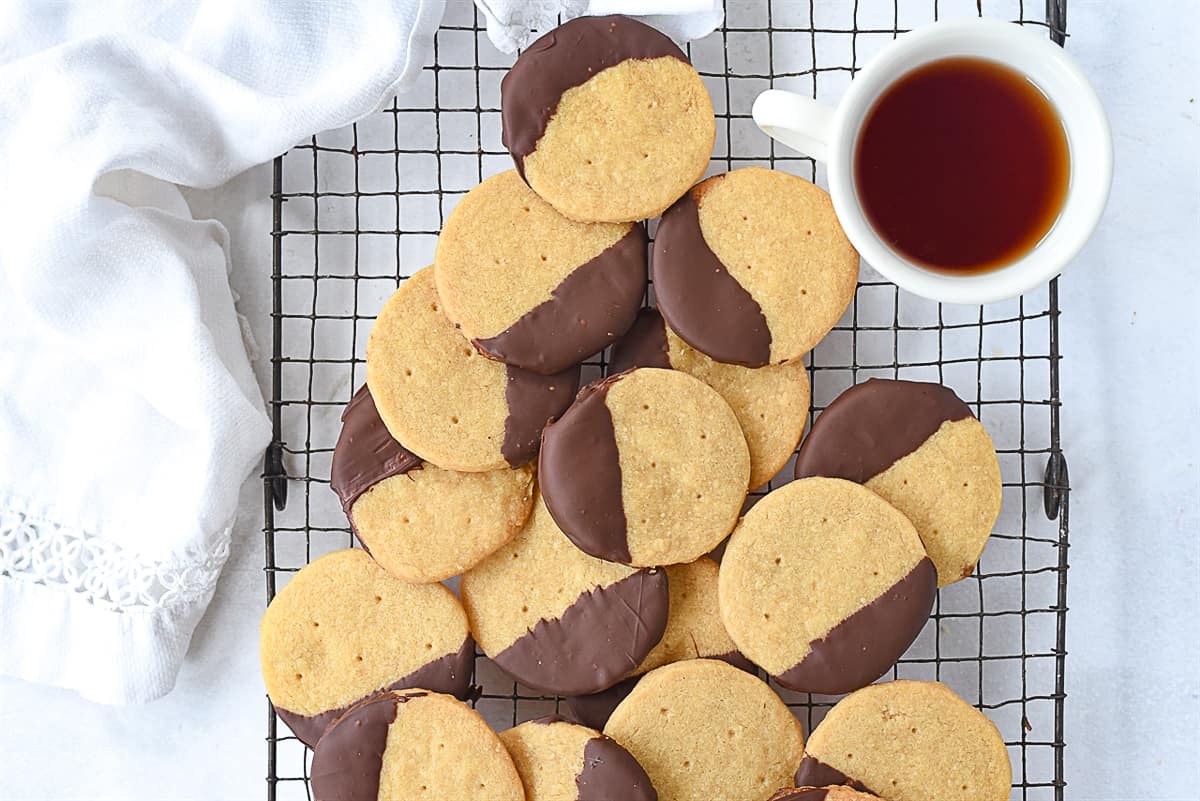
[861, 648]
[610, 772]
[598, 640]
[450, 674]
[533, 401]
[800, 794]
[579, 470]
[594, 710]
[594, 304]
[873, 425]
[699, 299]
[562, 59]
[365, 453]
[348, 764]
[644, 344]
[815, 773]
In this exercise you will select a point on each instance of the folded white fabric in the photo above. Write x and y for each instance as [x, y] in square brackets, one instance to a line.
[512, 24]
[129, 415]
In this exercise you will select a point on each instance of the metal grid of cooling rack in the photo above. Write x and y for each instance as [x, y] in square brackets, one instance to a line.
[358, 209]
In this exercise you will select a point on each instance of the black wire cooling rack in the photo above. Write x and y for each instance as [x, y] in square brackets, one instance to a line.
[358, 209]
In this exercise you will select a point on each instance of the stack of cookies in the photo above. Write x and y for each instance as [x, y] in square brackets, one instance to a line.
[582, 520]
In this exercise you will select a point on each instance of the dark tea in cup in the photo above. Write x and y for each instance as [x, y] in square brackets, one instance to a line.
[962, 165]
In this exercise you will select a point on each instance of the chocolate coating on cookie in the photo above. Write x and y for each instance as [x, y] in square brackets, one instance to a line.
[349, 764]
[643, 345]
[564, 58]
[610, 772]
[580, 473]
[450, 674]
[815, 773]
[843, 660]
[871, 426]
[596, 641]
[365, 453]
[593, 305]
[533, 401]
[700, 300]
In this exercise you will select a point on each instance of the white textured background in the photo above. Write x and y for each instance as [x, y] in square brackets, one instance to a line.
[1130, 389]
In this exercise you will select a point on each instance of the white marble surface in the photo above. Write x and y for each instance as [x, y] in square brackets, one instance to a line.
[1130, 389]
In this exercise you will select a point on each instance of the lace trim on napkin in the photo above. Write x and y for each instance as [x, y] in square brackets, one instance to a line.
[101, 571]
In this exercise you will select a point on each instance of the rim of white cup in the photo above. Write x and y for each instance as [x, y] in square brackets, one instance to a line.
[1087, 193]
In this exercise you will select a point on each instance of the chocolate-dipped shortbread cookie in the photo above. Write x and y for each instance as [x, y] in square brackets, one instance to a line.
[752, 267]
[558, 620]
[411, 745]
[704, 730]
[824, 585]
[531, 288]
[647, 467]
[343, 629]
[562, 761]
[445, 401]
[420, 522]
[694, 631]
[919, 447]
[771, 403]
[908, 741]
[606, 119]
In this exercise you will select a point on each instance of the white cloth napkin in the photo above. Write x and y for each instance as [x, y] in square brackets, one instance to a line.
[129, 415]
[513, 24]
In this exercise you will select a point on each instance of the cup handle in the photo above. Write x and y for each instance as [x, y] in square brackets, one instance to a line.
[799, 122]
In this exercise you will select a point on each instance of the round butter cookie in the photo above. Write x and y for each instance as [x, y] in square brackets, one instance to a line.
[918, 446]
[647, 467]
[420, 522]
[531, 288]
[562, 761]
[771, 403]
[694, 631]
[833, 793]
[343, 629]
[752, 267]
[607, 119]
[824, 585]
[409, 745]
[446, 402]
[703, 729]
[908, 741]
[558, 620]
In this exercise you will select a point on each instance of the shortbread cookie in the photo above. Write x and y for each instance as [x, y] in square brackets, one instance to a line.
[703, 729]
[832, 793]
[647, 467]
[908, 741]
[558, 620]
[825, 585]
[562, 761]
[530, 287]
[771, 403]
[606, 119]
[446, 402]
[752, 267]
[343, 629]
[920, 448]
[694, 631]
[410, 745]
[420, 522]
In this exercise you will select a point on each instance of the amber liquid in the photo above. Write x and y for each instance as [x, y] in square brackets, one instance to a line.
[962, 165]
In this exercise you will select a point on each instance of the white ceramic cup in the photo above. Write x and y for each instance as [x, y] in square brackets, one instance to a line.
[830, 135]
